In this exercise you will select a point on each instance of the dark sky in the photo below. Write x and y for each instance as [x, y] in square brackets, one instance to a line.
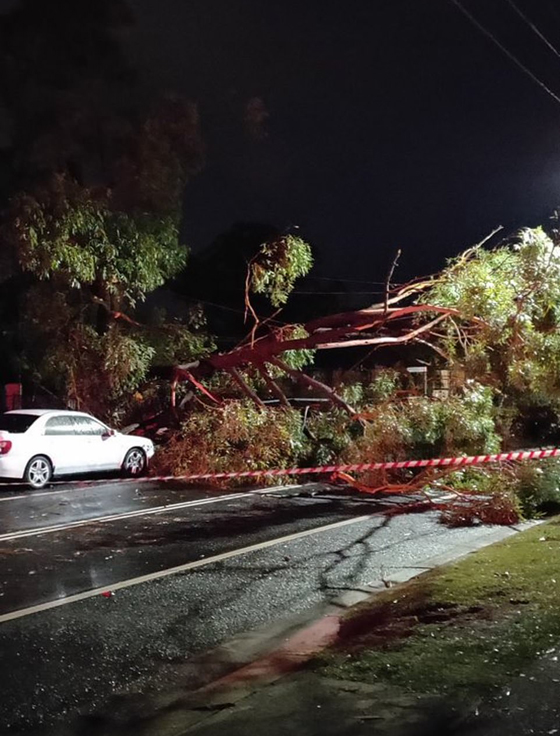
[389, 123]
[392, 123]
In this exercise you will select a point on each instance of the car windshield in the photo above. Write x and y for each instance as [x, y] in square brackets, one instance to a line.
[17, 423]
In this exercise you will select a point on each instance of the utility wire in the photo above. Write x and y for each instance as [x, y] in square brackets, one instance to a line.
[347, 293]
[533, 27]
[218, 306]
[346, 281]
[508, 53]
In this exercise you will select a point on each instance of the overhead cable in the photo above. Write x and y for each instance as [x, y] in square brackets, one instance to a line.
[534, 28]
[346, 293]
[347, 281]
[506, 51]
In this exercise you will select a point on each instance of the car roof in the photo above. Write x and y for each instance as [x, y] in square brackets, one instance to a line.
[42, 412]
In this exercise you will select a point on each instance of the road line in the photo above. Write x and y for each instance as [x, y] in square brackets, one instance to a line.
[180, 568]
[36, 494]
[131, 514]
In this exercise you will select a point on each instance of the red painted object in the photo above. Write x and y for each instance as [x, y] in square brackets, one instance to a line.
[13, 396]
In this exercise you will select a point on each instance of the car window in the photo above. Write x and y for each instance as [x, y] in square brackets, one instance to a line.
[61, 425]
[89, 426]
[17, 423]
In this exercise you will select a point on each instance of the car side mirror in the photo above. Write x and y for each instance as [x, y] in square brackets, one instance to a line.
[109, 433]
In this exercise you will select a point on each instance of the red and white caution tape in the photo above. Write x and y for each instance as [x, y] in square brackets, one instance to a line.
[362, 467]
[457, 462]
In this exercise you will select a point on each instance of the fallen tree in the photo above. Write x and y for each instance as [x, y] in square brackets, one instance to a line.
[486, 299]
[377, 326]
[403, 318]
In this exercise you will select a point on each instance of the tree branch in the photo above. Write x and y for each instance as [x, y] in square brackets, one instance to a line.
[389, 277]
[116, 315]
[272, 385]
[384, 340]
[182, 372]
[247, 390]
[314, 383]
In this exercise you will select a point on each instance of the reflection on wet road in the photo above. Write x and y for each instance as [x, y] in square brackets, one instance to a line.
[63, 505]
[98, 555]
[244, 559]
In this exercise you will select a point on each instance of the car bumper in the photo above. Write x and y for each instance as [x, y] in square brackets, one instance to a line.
[11, 468]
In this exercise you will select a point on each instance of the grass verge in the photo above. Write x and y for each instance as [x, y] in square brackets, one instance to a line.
[465, 629]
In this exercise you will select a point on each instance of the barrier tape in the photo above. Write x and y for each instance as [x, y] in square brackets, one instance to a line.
[362, 467]
[456, 462]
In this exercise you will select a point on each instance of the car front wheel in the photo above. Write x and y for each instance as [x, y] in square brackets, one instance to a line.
[38, 471]
[135, 462]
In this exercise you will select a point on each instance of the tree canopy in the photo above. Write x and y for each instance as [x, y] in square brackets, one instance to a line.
[97, 173]
[514, 292]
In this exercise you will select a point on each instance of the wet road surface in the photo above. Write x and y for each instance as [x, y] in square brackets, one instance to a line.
[22, 510]
[186, 578]
[47, 567]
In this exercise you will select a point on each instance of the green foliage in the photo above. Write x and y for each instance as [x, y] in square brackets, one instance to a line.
[353, 393]
[515, 291]
[529, 488]
[94, 370]
[537, 485]
[422, 427]
[276, 267]
[126, 361]
[236, 436]
[96, 175]
[381, 387]
[384, 385]
[67, 232]
[331, 434]
[296, 359]
[91, 263]
[175, 341]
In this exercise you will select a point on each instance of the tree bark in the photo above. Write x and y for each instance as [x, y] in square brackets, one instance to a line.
[247, 390]
[272, 385]
[314, 383]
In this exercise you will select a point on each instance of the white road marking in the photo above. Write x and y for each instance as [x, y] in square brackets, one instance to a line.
[131, 514]
[35, 494]
[179, 568]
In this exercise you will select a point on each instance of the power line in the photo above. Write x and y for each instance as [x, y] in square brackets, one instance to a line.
[346, 293]
[533, 27]
[346, 281]
[508, 53]
[218, 306]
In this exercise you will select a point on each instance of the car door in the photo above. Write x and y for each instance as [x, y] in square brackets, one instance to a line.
[103, 448]
[64, 445]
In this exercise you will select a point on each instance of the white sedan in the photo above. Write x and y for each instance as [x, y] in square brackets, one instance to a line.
[38, 444]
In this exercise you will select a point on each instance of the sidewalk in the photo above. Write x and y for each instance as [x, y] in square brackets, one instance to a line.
[270, 698]
[310, 705]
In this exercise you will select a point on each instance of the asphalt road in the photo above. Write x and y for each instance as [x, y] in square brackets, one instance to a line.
[187, 569]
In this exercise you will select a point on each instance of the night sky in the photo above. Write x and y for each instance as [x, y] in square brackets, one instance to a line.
[373, 125]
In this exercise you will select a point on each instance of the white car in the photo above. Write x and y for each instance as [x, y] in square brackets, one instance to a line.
[38, 444]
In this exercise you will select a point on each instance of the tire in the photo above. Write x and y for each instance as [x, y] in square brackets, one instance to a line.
[38, 472]
[134, 463]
